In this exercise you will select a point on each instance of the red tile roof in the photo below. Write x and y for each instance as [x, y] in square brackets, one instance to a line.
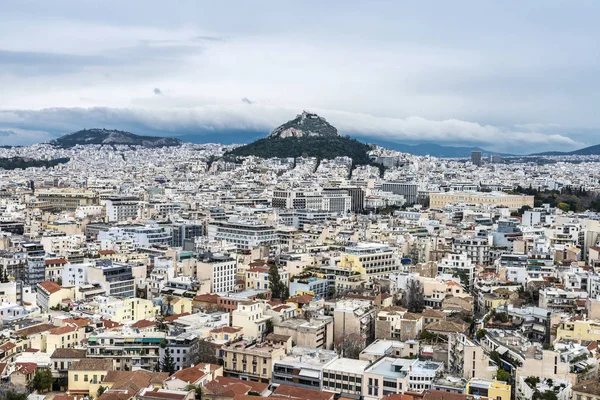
[50, 287]
[26, 367]
[62, 330]
[55, 261]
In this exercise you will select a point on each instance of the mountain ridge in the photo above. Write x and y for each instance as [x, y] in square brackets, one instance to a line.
[112, 137]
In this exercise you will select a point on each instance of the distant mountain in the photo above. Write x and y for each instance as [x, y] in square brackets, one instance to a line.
[431, 149]
[109, 137]
[306, 135]
[586, 151]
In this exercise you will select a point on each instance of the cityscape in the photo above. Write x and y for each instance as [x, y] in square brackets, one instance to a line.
[285, 252]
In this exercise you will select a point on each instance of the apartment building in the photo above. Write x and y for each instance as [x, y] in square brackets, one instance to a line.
[316, 333]
[354, 317]
[116, 279]
[407, 189]
[476, 248]
[253, 361]
[250, 316]
[244, 235]
[302, 367]
[369, 260]
[467, 359]
[258, 278]
[119, 209]
[218, 271]
[128, 349]
[345, 377]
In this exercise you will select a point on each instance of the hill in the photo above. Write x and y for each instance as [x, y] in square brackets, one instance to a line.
[306, 135]
[112, 137]
[430, 149]
[586, 151]
[22, 163]
[304, 125]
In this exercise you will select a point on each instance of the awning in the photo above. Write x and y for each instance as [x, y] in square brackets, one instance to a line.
[309, 373]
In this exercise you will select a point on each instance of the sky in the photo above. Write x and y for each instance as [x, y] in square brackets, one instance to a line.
[508, 76]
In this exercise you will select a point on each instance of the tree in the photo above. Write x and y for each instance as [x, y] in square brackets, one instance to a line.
[14, 396]
[279, 290]
[101, 389]
[563, 206]
[167, 364]
[197, 389]
[42, 380]
[205, 353]
[169, 299]
[481, 334]
[413, 299]
[350, 346]
[502, 375]
[4, 276]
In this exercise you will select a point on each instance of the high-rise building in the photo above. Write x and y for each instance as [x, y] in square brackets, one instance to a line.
[476, 157]
[406, 189]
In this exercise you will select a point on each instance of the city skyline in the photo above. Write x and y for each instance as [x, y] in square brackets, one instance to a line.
[468, 74]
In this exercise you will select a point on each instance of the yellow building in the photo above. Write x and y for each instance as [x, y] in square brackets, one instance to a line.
[369, 260]
[63, 337]
[489, 388]
[578, 330]
[87, 375]
[254, 362]
[124, 310]
[512, 201]
[180, 305]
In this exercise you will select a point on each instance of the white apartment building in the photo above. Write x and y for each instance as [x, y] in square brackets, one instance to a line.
[218, 270]
[251, 318]
[244, 235]
[122, 208]
[457, 264]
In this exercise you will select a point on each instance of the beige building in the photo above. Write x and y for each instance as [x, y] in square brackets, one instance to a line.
[500, 199]
[316, 332]
[354, 317]
[251, 318]
[468, 359]
[586, 390]
[254, 362]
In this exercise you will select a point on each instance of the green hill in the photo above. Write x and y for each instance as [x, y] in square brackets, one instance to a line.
[322, 147]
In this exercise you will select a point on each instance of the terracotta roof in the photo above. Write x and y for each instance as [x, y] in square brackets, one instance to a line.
[7, 346]
[31, 350]
[230, 387]
[50, 287]
[189, 375]
[2, 367]
[105, 252]
[172, 318]
[443, 395]
[155, 393]
[207, 298]
[69, 353]
[32, 330]
[25, 367]
[304, 299]
[92, 364]
[109, 324]
[80, 322]
[588, 387]
[55, 261]
[143, 323]
[62, 330]
[132, 379]
[63, 397]
[226, 329]
[447, 326]
[301, 393]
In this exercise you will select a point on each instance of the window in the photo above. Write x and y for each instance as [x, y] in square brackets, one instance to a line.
[85, 378]
[76, 378]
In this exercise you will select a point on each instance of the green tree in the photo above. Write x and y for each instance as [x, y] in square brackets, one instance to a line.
[167, 364]
[481, 334]
[563, 206]
[197, 389]
[169, 299]
[413, 299]
[14, 396]
[279, 290]
[101, 389]
[42, 380]
[502, 375]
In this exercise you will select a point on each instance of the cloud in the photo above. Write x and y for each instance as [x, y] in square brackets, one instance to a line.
[262, 118]
[157, 91]
[247, 100]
